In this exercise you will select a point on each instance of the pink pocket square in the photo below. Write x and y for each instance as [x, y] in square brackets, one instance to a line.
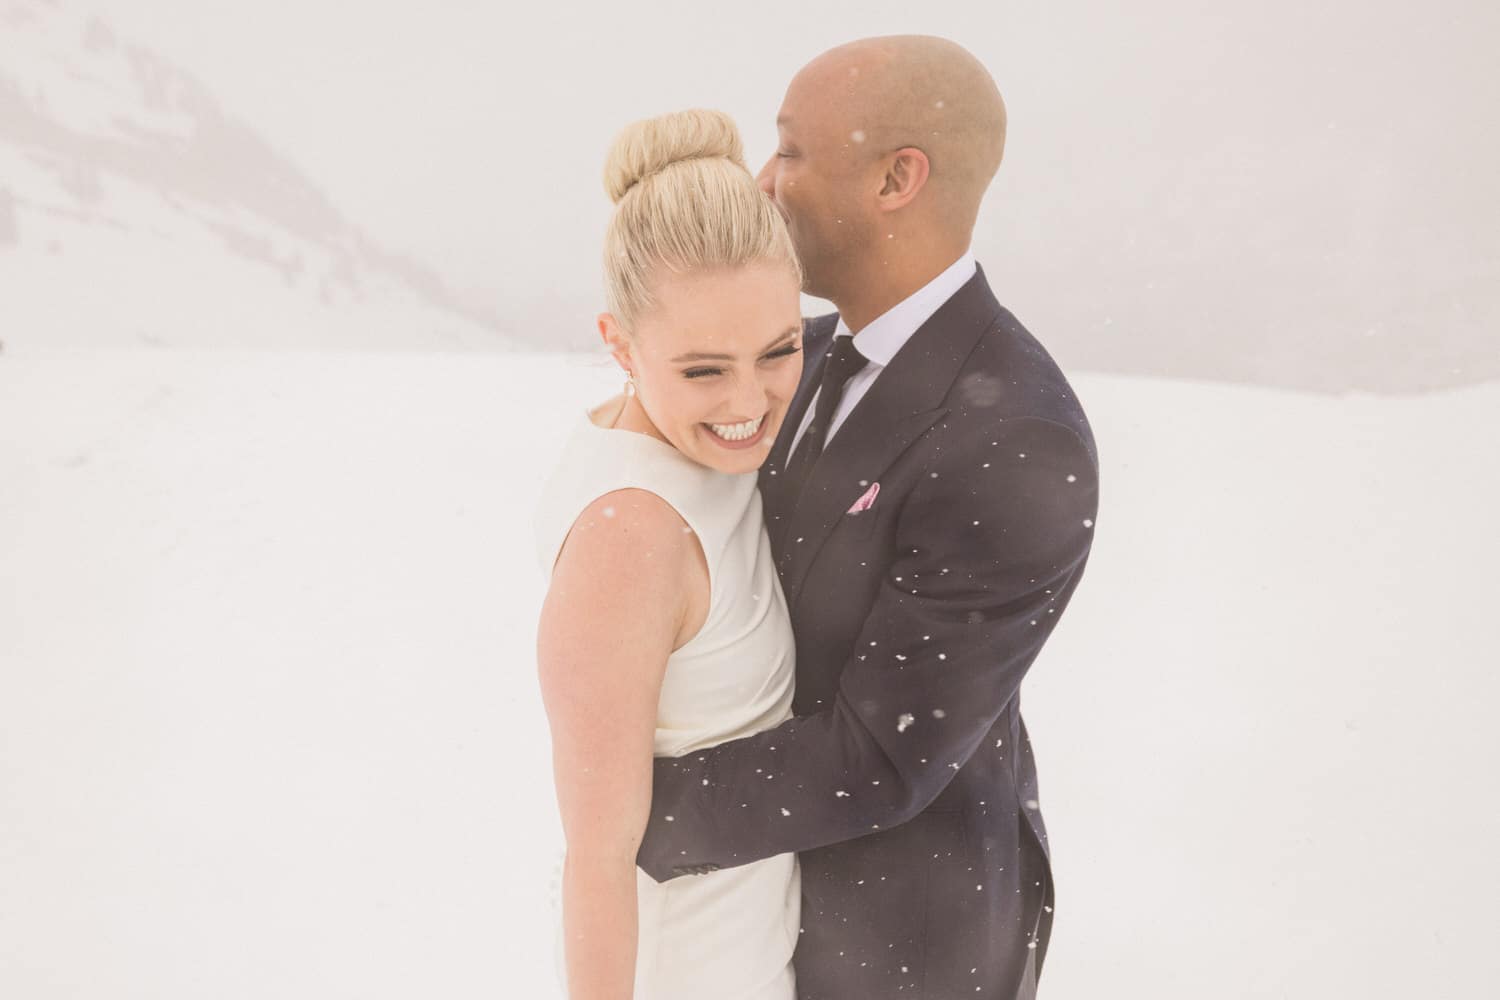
[867, 501]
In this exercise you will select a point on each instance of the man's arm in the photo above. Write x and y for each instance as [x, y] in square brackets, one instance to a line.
[985, 547]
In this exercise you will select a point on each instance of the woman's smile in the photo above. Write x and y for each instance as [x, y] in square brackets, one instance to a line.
[737, 437]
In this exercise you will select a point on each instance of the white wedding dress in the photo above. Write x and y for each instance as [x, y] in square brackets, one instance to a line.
[728, 934]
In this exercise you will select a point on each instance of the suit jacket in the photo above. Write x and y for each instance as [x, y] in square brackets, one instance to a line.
[906, 780]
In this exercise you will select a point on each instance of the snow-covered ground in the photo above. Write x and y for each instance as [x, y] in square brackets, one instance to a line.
[269, 724]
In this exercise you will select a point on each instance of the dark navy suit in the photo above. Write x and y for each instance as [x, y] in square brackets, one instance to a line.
[906, 779]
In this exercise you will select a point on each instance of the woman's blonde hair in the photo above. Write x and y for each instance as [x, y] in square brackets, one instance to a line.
[683, 200]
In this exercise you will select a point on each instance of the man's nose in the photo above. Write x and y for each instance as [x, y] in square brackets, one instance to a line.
[766, 179]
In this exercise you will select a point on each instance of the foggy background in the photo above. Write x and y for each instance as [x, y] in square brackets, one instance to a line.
[296, 303]
[1289, 194]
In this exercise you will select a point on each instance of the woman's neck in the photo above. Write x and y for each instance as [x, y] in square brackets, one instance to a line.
[628, 415]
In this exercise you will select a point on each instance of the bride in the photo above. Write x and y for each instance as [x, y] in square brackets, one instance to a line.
[664, 629]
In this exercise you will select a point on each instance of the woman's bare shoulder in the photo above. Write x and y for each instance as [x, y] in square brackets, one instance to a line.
[630, 523]
[624, 560]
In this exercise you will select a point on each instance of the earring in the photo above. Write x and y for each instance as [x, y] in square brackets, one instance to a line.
[629, 383]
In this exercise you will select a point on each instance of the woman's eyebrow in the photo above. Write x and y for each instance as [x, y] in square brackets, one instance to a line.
[699, 356]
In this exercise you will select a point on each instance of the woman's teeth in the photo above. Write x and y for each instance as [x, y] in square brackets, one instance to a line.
[738, 432]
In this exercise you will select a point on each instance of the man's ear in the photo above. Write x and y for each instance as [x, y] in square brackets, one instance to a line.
[615, 339]
[906, 173]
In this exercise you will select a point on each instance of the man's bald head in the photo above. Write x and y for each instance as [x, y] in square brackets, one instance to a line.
[881, 94]
[886, 147]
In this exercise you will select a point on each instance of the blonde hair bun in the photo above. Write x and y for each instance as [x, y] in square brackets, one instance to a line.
[648, 147]
[691, 205]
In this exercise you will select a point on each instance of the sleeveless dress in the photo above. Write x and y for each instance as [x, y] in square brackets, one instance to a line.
[727, 934]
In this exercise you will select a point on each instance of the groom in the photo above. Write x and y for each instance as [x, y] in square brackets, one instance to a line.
[930, 502]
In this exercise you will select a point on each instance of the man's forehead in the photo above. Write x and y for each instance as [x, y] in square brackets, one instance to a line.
[809, 106]
[846, 64]
[833, 84]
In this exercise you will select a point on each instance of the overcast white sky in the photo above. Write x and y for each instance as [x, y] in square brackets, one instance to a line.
[1284, 192]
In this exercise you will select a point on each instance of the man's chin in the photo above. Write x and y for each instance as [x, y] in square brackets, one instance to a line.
[812, 287]
[810, 274]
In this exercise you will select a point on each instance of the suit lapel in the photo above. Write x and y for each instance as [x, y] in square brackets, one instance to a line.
[816, 342]
[904, 401]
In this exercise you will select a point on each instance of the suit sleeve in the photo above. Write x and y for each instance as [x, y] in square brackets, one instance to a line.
[988, 546]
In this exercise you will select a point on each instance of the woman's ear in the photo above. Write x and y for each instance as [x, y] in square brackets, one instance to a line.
[906, 173]
[615, 339]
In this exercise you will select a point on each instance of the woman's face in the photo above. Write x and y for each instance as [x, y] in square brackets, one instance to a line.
[717, 361]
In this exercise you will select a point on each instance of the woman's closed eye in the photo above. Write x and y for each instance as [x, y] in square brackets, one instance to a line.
[784, 352]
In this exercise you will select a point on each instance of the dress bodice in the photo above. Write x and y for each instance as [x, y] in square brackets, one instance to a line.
[728, 933]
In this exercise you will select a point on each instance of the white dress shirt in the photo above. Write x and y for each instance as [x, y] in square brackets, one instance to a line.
[885, 335]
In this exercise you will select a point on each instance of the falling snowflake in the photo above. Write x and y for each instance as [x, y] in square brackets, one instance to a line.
[905, 720]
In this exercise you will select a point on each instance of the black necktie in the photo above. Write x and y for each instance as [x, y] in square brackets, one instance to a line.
[843, 362]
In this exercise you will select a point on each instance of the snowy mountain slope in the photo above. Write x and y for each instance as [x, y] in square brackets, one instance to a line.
[134, 211]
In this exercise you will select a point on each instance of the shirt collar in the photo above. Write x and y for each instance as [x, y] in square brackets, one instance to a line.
[885, 335]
